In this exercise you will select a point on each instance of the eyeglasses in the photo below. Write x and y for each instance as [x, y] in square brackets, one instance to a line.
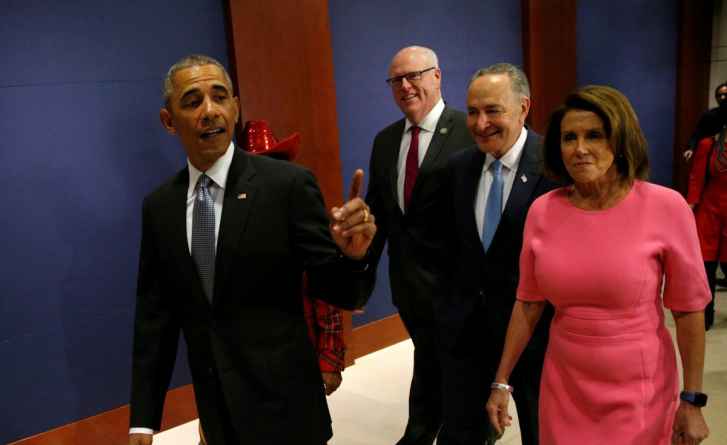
[414, 76]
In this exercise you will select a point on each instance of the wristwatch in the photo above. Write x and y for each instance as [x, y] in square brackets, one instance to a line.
[698, 399]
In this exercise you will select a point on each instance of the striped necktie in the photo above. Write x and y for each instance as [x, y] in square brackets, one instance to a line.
[203, 235]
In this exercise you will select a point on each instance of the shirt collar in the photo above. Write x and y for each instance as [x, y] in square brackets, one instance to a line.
[429, 123]
[512, 157]
[218, 171]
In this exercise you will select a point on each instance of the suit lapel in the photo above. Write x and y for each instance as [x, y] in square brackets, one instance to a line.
[240, 196]
[470, 183]
[526, 178]
[441, 133]
[393, 174]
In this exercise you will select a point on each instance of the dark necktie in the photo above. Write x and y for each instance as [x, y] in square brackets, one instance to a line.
[493, 208]
[203, 235]
[412, 166]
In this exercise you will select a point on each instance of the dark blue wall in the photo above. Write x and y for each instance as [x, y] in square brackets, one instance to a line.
[466, 35]
[79, 98]
[632, 46]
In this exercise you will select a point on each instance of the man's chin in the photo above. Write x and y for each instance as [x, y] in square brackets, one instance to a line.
[489, 147]
[414, 114]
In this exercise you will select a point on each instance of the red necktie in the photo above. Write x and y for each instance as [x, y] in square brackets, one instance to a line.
[412, 166]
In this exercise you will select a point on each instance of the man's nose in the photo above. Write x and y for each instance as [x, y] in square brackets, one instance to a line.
[482, 121]
[209, 109]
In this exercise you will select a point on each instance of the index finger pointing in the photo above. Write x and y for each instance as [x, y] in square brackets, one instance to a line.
[356, 184]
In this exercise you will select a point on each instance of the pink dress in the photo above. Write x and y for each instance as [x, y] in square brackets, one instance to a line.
[610, 373]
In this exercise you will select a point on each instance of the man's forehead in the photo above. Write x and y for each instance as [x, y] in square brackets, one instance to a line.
[195, 78]
[490, 86]
[409, 60]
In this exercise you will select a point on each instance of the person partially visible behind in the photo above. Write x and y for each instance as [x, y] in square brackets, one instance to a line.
[707, 195]
[325, 328]
[711, 122]
[325, 321]
[600, 251]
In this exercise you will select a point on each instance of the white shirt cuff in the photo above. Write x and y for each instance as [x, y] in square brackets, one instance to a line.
[137, 430]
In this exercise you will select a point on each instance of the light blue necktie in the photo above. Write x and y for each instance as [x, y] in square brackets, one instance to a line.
[493, 209]
[203, 235]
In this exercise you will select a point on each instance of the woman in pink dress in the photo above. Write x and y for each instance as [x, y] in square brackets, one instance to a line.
[608, 250]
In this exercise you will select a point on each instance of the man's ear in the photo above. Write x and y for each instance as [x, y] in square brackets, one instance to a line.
[166, 117]
[237, 106]
[525, 104]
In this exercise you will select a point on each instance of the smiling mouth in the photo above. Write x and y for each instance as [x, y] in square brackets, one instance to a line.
[408, 97]
[212, 133]
[487, 135]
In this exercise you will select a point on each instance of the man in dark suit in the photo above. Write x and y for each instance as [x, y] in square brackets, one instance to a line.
[492, 186]
[224, 244]
[407, 195]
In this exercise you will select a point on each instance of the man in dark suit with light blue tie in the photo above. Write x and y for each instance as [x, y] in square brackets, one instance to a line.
[492, 185]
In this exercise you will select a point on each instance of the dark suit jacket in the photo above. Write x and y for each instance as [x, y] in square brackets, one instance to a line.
[251, 344]
[415, 244]
[484, 284]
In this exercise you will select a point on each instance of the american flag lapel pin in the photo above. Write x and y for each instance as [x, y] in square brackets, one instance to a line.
[524, 178]
[242, 196]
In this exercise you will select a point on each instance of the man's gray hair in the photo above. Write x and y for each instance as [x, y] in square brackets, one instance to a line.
[188, 62]
[518, 79]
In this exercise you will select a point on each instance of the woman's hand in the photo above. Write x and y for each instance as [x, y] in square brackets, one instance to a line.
[689, 425]
[497, 410]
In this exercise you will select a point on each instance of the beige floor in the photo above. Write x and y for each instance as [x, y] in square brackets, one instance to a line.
[370, 407]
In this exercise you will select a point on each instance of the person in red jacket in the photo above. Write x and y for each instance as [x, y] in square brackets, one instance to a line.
[325, 322]
[707, 195]
[325, 327]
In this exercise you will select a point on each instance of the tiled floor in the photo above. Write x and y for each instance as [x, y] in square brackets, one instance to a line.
[370, 407]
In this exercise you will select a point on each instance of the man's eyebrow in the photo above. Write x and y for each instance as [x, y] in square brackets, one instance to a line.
[217, 88]
[220, 87]
[189, 93]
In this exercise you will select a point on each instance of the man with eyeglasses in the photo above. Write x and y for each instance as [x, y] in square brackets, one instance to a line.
[407, 196]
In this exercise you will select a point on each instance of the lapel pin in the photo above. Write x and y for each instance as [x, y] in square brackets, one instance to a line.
[242, 196]
[443, 130]
[524, 178]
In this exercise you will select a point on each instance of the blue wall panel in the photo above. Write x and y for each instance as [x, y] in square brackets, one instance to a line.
[80, 92]
[632, 46]
[466, 35]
